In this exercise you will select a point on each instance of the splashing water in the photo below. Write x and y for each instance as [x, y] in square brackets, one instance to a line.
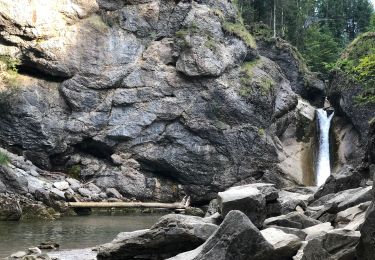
[323, 169]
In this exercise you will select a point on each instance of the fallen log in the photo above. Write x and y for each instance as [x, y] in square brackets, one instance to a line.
[177, 205]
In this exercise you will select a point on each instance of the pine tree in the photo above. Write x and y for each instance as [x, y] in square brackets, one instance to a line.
[320, 48]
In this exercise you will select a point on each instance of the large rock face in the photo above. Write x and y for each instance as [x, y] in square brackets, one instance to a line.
[152, 98]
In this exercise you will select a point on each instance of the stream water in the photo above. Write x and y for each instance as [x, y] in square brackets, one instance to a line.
[70, 232]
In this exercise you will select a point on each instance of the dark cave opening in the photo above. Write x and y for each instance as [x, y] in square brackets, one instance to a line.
[95, 148]
[31, 71]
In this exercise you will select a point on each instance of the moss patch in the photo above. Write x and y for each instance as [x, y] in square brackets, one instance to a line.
[266, 85]
[246, 78]
[245, 91]
[238, 29]
[246, 74]
[261, 132]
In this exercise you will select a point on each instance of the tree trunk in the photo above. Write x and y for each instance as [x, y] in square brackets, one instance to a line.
[274, 18]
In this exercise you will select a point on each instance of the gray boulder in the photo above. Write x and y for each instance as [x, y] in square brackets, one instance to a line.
[85, 192]
[236, 239]
[113, 193]
[290, 200]
[213, 207]
[251, 199]
[352, 218]
[285, 244]
[326, 207]
[317, 230]
[336, 244]
[293, 220]
[171, 235]
[61, 185]
[57, 194]
[74, 184]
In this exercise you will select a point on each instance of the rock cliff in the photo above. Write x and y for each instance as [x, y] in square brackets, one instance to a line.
[153, 98]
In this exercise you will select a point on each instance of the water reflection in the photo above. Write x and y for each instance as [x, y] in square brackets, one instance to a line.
[69, 232]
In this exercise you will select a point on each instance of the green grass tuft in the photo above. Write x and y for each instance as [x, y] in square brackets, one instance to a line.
[75, 171]
[261, 132]
[4, 159]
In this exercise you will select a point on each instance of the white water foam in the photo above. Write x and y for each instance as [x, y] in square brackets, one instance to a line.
[323, 169]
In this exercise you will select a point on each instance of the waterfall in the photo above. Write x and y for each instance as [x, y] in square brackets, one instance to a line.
[323, 169]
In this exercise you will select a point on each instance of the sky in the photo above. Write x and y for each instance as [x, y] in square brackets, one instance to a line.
[373, 2]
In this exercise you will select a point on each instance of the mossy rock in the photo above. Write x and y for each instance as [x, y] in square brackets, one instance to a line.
[32, 211]
[238, 29]
[362, 46]
[357, 64]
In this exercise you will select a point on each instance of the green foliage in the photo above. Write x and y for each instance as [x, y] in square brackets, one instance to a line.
[75, 171]
[365, 74]
[260, 30]
[10, 62]
[307, 23]
[371, 26]
[358, 62]
[238, 29]
[320, 49]
[9, 76]
[4, 159]
[261, 132]
[362, 46]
